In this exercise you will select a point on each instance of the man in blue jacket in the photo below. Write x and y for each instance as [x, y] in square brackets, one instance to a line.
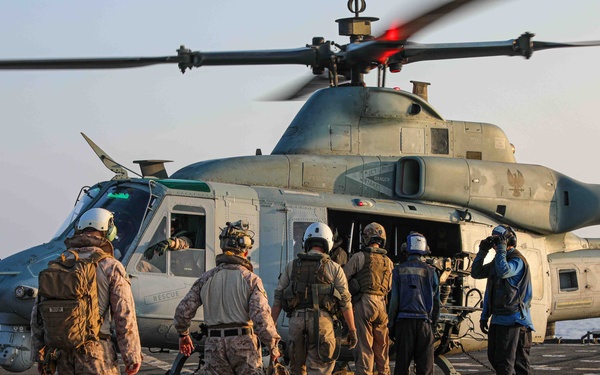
[507, 300]
[414, 309]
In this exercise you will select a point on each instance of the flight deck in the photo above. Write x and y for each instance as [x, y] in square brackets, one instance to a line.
[547, 358]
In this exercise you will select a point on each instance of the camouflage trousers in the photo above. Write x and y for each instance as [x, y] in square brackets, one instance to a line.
[232, 355]
[95, 357]
[371, 320]
[304, 347]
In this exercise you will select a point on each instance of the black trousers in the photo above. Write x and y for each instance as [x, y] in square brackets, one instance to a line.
[508, 349]
[414, 340]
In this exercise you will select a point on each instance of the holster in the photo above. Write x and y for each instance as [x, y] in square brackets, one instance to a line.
[49, 358]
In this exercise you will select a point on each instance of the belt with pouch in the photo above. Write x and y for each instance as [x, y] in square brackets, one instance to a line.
[228, 332]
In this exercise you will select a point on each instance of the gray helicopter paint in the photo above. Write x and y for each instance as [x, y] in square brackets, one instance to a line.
[273, 212]
[379, 122]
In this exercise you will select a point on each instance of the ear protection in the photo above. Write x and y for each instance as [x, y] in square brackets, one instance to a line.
[111, 233]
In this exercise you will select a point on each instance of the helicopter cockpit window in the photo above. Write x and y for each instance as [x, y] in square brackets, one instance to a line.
[128, 204]
[157, 264]
[299, 229]
[188, 262]
[86, 195]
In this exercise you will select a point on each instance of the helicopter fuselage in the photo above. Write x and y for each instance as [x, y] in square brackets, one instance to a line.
[391, 159]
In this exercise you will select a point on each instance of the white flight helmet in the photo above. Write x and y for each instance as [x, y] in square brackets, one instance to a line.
[318, 234]
[100, 219]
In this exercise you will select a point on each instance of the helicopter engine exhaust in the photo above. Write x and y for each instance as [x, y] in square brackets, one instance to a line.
[523, 195]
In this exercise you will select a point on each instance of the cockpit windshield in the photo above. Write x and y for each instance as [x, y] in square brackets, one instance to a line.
[86, 195]
[126, 201]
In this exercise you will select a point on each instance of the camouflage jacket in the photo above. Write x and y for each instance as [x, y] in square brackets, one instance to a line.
[227, 307]
[114, 297]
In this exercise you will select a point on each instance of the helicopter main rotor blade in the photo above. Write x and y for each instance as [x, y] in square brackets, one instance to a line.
[303, 87]
[522, 46]
[406, 30]
[186, 59]
[390, 42]
[91, 63]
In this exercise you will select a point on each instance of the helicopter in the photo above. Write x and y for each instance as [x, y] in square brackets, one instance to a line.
[368, 192]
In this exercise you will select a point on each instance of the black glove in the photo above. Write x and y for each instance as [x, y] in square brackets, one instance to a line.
[486, 244]
[351, 339]
[500, 240]
[483, 325]
[158, 248]
[392, 333]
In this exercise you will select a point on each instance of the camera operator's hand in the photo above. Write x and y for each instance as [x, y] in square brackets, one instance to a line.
[486, 244]
[483, 325]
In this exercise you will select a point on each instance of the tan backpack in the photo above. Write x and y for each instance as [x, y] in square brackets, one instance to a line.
[68, 306]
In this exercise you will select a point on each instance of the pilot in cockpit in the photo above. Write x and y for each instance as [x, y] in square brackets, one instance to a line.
[179, 240]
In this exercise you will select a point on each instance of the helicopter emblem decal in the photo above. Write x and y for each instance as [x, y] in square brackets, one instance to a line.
[378, 178]
[517, 181]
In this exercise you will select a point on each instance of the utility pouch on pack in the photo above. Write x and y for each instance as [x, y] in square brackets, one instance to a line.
[290, 300]
[68, 303]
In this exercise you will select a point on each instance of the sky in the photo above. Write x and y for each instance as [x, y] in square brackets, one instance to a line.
[546, 105]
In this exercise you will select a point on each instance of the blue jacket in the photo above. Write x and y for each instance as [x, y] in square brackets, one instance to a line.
[513, 271]
[415, 292]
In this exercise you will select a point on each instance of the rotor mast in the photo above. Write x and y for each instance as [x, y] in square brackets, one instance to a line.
[358, 29]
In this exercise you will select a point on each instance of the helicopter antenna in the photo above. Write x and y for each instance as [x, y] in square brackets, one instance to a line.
[119, 170]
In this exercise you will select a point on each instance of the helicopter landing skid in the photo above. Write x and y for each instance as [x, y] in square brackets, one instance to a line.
[444, 364]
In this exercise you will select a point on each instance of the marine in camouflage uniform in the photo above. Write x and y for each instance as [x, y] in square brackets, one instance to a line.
[115, 299]
[309, 353]
[236, 310]
[369, 273]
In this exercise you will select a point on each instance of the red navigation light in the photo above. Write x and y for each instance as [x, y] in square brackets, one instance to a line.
[362, 203]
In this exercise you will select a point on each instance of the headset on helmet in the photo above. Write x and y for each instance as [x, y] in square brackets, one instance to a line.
[417, 244]
[318, 234]
[507, 232]
[374, 232]
[236, 236]
[101, 220]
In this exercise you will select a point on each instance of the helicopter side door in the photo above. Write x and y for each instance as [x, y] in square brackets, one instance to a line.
[161, 282]
[285, 225]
